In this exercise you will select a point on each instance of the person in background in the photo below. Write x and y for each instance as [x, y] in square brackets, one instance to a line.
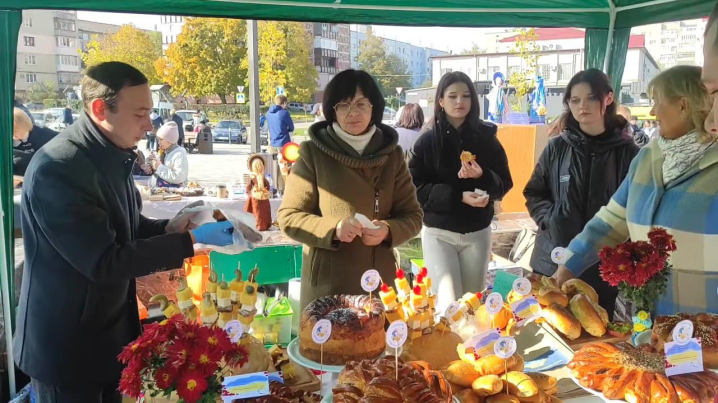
[578, 172]
[456, 237]
[280, 124]
[671, 184]
[351, 165]
[409, 127]
[202, 115]
[18, 104]
[172, 167]
[650, 129]
[639, 136]
[27, 140]
[174, 117]
[156, 121]
[82, 220]
[196, 118]
[319, 115]
[67, 115]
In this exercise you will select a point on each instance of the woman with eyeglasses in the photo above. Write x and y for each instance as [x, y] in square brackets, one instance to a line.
[459, 169]
[352, 165]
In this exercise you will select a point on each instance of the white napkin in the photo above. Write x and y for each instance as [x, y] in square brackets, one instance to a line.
[365, 222]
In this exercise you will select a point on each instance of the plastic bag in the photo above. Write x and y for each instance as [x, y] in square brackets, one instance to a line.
[245, 235]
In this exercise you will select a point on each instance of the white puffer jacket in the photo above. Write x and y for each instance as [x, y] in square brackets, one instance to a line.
[175, 169]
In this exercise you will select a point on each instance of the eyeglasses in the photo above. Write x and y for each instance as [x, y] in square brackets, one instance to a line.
[345, 108]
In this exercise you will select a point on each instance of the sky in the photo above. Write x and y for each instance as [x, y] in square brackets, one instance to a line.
[447, 39]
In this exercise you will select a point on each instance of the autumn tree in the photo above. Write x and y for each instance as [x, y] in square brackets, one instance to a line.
[209, 58]
[473, 50]
[285, 60]
[129, 45]
[524, 79]
[388, 70]
[41, 91]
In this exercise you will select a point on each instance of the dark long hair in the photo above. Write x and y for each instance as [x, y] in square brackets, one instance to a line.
[473, 119]
[344, 86]
[600, 88]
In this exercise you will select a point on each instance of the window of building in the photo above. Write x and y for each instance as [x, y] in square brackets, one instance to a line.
[545, 71]
[65, 25]
[67, 60]
[30, 78]
[29, 40]
[446, 71]
[565, 71]
[493, 69]
[65, 42]
[30, 60]
[28, 22]
[513, 70]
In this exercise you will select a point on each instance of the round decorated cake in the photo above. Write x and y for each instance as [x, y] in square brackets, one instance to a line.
[357, 329]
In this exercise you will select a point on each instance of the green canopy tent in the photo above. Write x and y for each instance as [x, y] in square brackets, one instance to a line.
[608, 24]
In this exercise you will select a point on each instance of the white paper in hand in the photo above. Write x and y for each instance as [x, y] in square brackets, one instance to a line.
[480, 192]
[365, 222]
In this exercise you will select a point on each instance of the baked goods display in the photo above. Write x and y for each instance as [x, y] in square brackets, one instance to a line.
[187, 191]
[437, 348]
[705, 327]
[623, 372]
[377, 381]
[280, 393]
[357, 329]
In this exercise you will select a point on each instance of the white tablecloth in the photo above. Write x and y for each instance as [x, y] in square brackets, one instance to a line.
[168, 209]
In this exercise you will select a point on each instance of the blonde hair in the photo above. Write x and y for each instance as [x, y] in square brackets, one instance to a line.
[21, 122]
[685, 82]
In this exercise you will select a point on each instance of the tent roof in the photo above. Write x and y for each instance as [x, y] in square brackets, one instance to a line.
[465, 13]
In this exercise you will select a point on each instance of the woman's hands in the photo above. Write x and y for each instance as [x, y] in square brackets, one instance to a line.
[470, 170]
[373, 237]
[474, 200]
[349, 228]
[562, 275]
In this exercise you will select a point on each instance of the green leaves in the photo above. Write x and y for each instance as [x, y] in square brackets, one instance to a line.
[388, 70]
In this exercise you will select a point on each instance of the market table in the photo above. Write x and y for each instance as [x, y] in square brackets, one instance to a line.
[167, 209]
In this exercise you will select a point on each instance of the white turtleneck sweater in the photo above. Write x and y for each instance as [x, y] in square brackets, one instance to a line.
[359, 142]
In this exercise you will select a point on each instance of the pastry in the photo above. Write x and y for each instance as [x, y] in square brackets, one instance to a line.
[585, 311]
[461, 373]
[548, 296]
[495, 365]
[562, 320]
[502, 398]
[357, 328]
[526, 386]
[577, 286]
[544, 382]
[703, 327]
[437, 348]
[466, 156]
[487, 385]
[467, 396]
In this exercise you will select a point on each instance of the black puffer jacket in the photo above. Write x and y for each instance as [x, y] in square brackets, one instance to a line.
[575, 176]
[434, 165]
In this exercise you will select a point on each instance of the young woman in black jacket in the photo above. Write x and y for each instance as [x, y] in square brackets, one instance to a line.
[578, 172]
[456, 238]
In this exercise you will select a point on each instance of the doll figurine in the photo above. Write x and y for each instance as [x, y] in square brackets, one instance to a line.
[258, 192]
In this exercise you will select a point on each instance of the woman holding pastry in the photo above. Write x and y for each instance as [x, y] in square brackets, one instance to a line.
[459, 168]
[351, 166]
[172, 167]
[672, 183]
[578, 172]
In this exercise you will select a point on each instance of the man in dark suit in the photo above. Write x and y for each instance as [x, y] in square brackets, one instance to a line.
[87, 241]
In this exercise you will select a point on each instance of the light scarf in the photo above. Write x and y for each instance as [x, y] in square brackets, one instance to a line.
[359, 142]
[680, 154]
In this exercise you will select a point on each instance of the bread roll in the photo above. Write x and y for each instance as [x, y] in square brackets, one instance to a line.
[487, 385]
[467, 396]
[549, 282]
[552, 391]
[586, 313]
[540, 397]
[518, 365]
[454, 387]
[461, 373]
[562, 320]
[526, 386]
[502, 398]
[601, 312]
[544, 382]
[436, 348]
[548, 296]
[576, 286]
[494, 365]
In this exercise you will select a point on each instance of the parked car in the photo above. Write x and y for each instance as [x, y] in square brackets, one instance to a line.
[295, 107]
[389, 114]
[42, 118]
[231, 131]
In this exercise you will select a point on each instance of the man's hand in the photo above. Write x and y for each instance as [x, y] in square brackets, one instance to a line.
[181, 223]
[562, 275]
[373, 237]
[474, 200]
[348, 229]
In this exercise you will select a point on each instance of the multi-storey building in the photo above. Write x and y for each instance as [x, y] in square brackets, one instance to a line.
[675, 43]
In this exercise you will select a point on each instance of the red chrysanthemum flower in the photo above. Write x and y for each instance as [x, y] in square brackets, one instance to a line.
[191, 386]
[130, 383]
[165, 377]
[178, 353]
[135, 351]
[205, 360]
[237, 357]
[616, 267]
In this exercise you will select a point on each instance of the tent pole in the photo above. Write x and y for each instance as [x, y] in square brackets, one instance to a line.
[253, 73]
[5, 284]
[609, 41]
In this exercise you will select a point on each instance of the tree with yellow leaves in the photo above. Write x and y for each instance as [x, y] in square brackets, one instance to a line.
[285, 60]
[209, 58]
[129, 45]
[523, 79]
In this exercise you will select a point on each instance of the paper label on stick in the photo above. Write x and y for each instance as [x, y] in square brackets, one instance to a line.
[234, 330]
[396, 334]
[683, 332]
[485, 343]
[505, 347]
[558, 255]
[522, 286]
[494, 303]
[322, 331]
[245, 386]
[526, 310]
[684, 355]
[452, 309]
[370, 280]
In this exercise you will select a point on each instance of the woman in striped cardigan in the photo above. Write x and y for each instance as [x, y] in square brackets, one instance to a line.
[673, 184]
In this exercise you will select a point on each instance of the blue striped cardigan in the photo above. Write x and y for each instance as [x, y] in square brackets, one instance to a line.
[687, 208]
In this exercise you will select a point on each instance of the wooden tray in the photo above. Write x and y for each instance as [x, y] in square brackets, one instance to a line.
[303, 380]
[584, 339]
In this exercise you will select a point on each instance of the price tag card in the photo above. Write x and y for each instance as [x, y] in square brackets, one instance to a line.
[322, 331]
[558, 255]
[684, 355]
[494, 303]
[245, 386]
[522, 286]
[370, 280]
[485, 343]
[505, 347]
[396, 334]
[234, 330]
[526, 310]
